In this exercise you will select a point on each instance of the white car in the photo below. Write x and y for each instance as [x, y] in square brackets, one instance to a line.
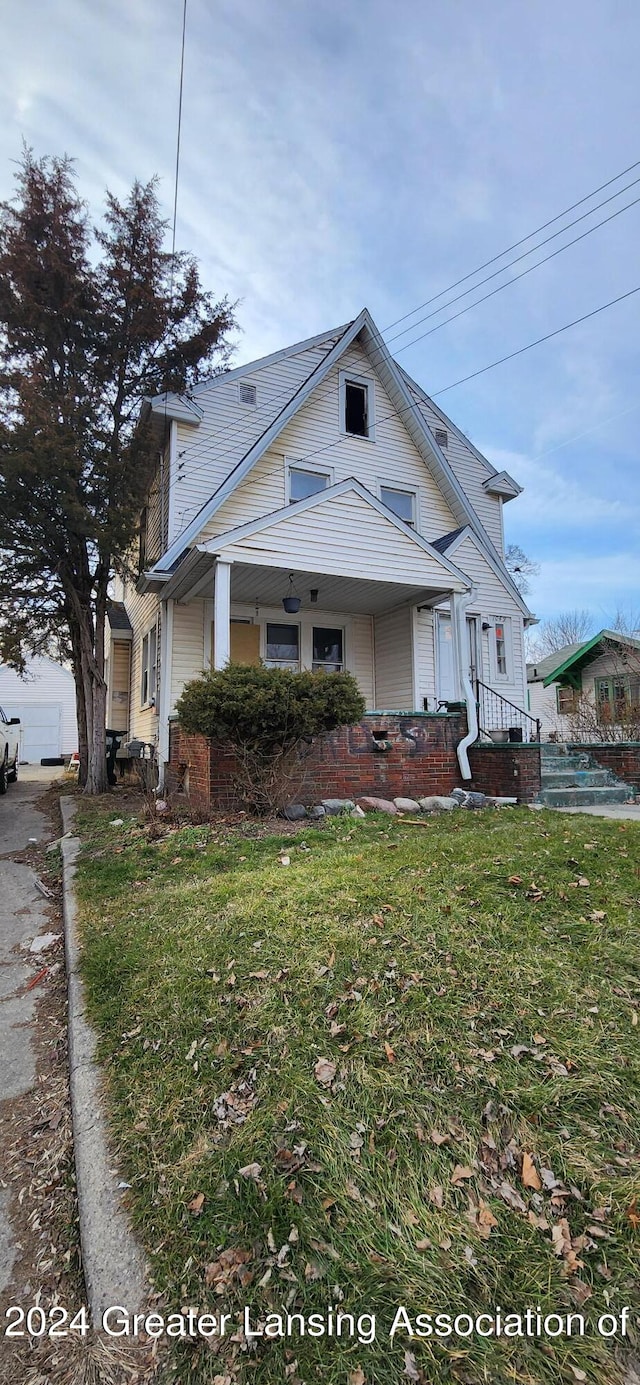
[9, 746]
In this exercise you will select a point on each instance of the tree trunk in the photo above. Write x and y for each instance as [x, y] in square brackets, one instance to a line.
[81, 710]
[91, 695]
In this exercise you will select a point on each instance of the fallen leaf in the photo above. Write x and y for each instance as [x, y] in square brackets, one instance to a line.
[460, 1173]
[438, 1139]
[410, 1366]
[357, 1377]
[486, 1220]
[633, 1216]
[251, 1171]
[391, 1057]
[324, 1071]
[511, 1196]
[515, 879]
[424, 1244]
[437, 1195]
[196, 1205]
[577, 1373]
[530, 1176]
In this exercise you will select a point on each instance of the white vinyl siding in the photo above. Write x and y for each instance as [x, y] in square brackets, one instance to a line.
[142, 612]
[470, 472]
[188, 652]
[345, 536]
[209, 452]
[394, 660]
[118, 684]
[491, 600]
[47, 683]
[394, 458]
[425, 659]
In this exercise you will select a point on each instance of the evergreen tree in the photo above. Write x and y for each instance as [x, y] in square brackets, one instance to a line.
[91, 323]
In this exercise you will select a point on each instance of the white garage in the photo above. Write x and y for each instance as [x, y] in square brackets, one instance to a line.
[45, 701]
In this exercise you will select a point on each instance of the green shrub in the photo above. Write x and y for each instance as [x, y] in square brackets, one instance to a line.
[265, 715]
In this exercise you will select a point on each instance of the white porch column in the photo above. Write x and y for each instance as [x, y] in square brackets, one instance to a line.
[221, 615]
[164, 700]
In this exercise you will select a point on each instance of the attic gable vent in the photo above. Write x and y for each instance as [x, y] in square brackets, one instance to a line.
[248, 394]
[442, 437]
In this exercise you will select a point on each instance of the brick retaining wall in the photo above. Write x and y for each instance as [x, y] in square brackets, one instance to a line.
[421, 760]
[623, 758]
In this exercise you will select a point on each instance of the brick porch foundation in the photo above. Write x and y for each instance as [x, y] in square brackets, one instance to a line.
[418, 758]
[622, 758]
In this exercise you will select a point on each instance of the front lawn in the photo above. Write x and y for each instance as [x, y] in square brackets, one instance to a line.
[401, 1070]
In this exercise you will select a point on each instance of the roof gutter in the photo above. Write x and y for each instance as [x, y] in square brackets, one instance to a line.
[459, 603]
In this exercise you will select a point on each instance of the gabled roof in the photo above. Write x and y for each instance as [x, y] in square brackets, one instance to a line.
[585, 653]
[326, 496]
[540, 668]
[502, 484]
[117, 616]
[395, 383]
[449, 543]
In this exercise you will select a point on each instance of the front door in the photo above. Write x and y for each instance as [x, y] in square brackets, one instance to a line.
[474, 652]
[447, 691]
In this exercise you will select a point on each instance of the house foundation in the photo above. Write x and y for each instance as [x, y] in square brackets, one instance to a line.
[386, 755]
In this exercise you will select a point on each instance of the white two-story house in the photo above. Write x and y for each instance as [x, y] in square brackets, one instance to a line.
[322, 475]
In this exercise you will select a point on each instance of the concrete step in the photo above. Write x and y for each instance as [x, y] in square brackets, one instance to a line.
[565, 764]
[578, 798]
[553, 749]
[575, 779]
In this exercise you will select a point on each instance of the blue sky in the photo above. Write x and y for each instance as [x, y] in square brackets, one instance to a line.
[336, 155]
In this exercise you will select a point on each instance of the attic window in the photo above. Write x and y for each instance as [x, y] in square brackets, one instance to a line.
[248, 394]
[442, 437]
[355, 409]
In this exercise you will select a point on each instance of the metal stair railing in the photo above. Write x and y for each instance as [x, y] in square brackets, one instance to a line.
[497, 713]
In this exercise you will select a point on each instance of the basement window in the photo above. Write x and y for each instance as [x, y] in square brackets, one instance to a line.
[248, 394]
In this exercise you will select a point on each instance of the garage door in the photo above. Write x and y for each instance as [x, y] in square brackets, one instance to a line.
[40, 729]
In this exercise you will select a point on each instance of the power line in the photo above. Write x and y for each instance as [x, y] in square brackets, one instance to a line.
[512, 354]
[515, 246]
[415, 407]
[214, 447]
[232, 427]
[516, 277]
[526, 254]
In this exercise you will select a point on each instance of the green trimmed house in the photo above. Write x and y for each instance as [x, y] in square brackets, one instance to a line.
[590, 691]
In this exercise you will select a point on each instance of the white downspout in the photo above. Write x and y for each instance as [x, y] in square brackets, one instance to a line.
[166, 654]
[459, 603]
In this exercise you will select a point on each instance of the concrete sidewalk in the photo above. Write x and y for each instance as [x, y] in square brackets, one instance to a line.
[23, 917]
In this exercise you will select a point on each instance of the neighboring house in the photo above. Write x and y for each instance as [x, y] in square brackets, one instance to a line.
[588, 691]
[324, 471]
[45, 701]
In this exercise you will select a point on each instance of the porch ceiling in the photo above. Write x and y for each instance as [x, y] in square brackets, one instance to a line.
[251, 583]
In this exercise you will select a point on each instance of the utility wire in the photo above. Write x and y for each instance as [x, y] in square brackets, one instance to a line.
[415, 406]
[515, 279]
[198, 465]
[232, 427]
[525, 256]
[516, 245]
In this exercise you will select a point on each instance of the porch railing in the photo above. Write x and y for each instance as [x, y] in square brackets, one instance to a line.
[497, 713]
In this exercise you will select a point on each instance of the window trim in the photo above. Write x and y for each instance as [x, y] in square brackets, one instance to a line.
[352, 377]
[149, 669]
[279, 663]
[290, 464]
[343, 633]
[611, 679]
[566, 712]
[507, 676]
[405, 490]
[244, 403]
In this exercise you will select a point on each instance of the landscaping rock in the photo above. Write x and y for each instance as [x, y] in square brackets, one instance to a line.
[407, 805]
[357, 813]
[377, 805]
[333, 806]
[294, 812]
[438, 803]
[470, 798]
[316, 812]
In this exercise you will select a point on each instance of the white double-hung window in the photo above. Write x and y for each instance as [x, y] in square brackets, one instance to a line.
[149, 667]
